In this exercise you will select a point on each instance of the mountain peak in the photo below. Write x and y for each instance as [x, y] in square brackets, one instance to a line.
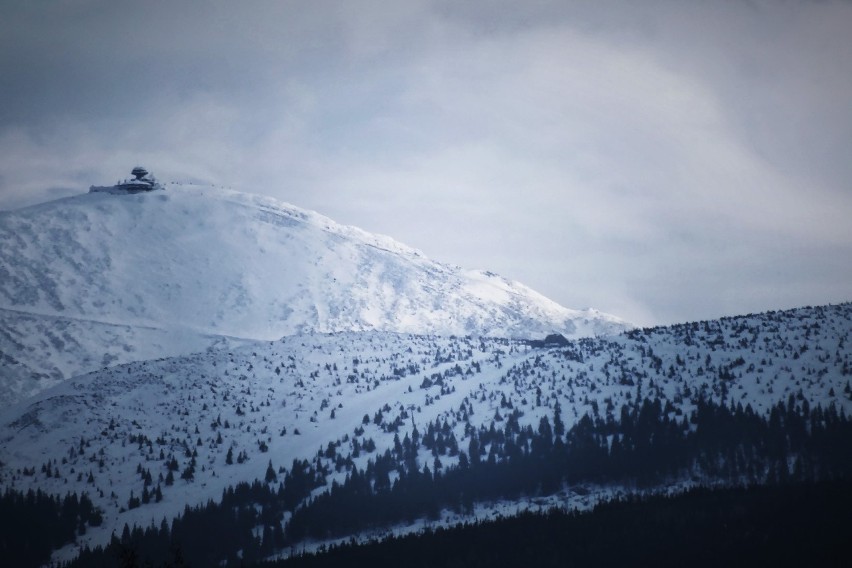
[161, 273]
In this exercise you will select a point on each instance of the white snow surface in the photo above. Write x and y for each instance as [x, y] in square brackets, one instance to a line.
[293, 398]
[99, 279]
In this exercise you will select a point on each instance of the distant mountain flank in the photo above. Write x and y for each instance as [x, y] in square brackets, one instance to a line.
[124, 274]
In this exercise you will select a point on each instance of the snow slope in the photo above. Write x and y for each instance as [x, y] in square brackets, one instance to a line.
[292, 398]
[100, 279]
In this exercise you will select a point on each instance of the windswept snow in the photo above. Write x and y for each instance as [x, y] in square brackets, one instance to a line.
[99, 279]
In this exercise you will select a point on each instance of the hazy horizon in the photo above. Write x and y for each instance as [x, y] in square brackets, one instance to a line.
[665, 162]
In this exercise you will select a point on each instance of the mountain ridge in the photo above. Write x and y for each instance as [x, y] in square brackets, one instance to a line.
[344, 400]
[206, 264]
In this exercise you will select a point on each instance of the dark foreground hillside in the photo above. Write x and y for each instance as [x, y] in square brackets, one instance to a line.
[730, 446]
[430, 430]
[792, 525]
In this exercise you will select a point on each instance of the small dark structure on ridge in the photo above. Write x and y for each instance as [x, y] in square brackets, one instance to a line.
[552, 340]
[142, 181]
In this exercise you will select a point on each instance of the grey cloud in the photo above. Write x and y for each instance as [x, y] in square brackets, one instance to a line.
[663, 160]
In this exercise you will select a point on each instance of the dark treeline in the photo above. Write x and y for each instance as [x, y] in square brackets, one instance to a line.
[33, 524]
[214, 533]
[784, 525]
[647, 445]
[203, 536]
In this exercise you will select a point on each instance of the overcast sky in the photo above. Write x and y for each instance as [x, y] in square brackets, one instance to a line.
[664, 161]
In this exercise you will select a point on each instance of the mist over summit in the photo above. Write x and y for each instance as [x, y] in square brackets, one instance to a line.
[105, 278]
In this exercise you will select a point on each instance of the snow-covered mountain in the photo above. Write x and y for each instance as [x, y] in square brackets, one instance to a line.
[175, 346]
[340, 401]
[101, 279]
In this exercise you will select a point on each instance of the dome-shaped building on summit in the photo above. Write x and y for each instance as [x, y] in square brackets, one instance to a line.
[142, 181]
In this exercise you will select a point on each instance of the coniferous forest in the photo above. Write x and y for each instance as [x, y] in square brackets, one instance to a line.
[780, 525]
[796, 451]
[33, 524]
[729, 437]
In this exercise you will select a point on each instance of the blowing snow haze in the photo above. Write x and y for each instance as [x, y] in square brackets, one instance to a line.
[666, 162]
[134, 271]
